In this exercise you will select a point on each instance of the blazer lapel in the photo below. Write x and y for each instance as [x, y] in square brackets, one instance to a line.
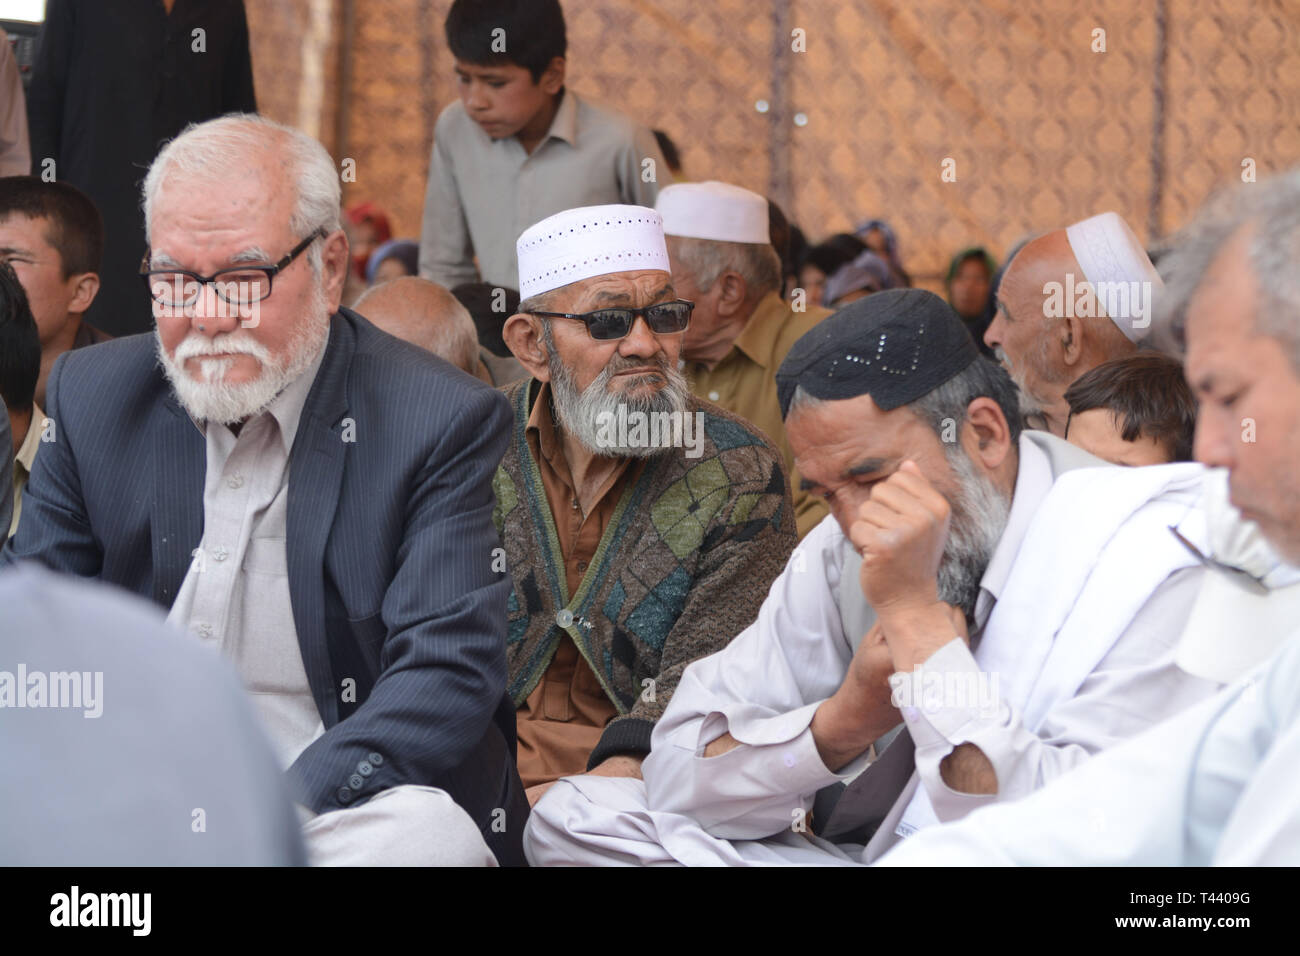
[180, 461]
[315, 477]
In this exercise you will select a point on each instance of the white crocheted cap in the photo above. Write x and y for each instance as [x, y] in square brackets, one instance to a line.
[1109, 252]
[589, 241]
[713, 210]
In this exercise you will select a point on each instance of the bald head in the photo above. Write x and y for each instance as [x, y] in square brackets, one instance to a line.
[425, 314]
[1048, 329]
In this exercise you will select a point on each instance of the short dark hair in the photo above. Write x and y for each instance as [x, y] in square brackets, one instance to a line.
[20, 344]
[1148, 395]
[73, 225]
[829, 254]
[983, 378]
[666, 146]
[534, 32]
[478, 298]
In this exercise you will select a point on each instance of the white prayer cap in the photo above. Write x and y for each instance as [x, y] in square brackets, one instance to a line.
[589, 241]
[713, 210]
[1109, 252]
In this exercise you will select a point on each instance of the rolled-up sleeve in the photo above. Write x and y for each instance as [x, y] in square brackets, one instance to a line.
[763, 689]
[1136, 685]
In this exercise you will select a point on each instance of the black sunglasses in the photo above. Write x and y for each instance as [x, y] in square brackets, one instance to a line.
[666, 318]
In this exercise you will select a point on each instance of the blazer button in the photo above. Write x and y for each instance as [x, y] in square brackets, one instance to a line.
[376, 760]
[355, 781]
[365, 769]
[344, 795]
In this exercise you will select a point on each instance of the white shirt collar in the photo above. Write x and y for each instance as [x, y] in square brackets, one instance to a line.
[1033, 482]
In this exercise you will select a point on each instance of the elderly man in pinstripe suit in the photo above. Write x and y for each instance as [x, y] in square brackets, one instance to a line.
[307, 494]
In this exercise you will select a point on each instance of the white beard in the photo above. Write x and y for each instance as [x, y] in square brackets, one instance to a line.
[214, 400]
[1030, 404]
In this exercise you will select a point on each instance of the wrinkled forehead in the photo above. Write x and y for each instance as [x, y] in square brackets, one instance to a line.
[616, 289]
[834, 437]
[262, 178]
[1046, 259]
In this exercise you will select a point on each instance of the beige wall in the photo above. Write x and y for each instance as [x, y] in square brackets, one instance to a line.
[1043, 131]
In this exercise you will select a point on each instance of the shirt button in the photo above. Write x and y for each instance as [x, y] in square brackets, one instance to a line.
[220, 553]
[788, 759]
[582, 565]
[234, 481]
[564, 618]
[575, 504]
[204, 630]
[714, 396]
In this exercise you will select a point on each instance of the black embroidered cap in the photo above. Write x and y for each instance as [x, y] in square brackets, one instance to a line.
[895, 346]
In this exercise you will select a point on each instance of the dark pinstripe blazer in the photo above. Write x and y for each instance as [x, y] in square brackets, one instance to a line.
[400, 617]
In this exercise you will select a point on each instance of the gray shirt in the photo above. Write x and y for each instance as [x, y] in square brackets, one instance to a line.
[152, 756]
[484, 192]
[235, 595]
[15, 151]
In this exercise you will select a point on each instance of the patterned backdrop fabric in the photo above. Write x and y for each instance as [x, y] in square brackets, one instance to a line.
[844, 110]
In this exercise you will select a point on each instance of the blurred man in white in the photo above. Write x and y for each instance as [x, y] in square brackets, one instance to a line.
[1070, 300]
[1216, 784]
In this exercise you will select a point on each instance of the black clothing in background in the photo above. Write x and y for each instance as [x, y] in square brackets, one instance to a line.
[113, 80]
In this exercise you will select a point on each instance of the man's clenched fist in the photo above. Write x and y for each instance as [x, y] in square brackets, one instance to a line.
[901, 532]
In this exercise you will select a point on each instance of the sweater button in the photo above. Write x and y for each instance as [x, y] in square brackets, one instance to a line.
[564, 618]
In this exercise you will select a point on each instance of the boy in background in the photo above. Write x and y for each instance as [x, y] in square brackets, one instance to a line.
[517, 146]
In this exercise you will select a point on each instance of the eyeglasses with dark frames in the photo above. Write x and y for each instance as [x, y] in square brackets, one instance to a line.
[664, 318]
[238, 285]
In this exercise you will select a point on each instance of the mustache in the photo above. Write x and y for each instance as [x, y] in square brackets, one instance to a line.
[198, 346]
[618, 363]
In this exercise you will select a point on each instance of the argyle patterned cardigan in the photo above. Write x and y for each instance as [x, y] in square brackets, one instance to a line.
[683, 566]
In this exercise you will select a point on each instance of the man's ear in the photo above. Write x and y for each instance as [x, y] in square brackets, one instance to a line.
[334, 267]
[1071, 337]
[986, 436]
[85, 289]
[523, 336]
[552, 79]
[731, 294]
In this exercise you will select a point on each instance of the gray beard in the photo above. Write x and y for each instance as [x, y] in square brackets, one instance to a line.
[979, 518]
[1030, 404]
[580, 412]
